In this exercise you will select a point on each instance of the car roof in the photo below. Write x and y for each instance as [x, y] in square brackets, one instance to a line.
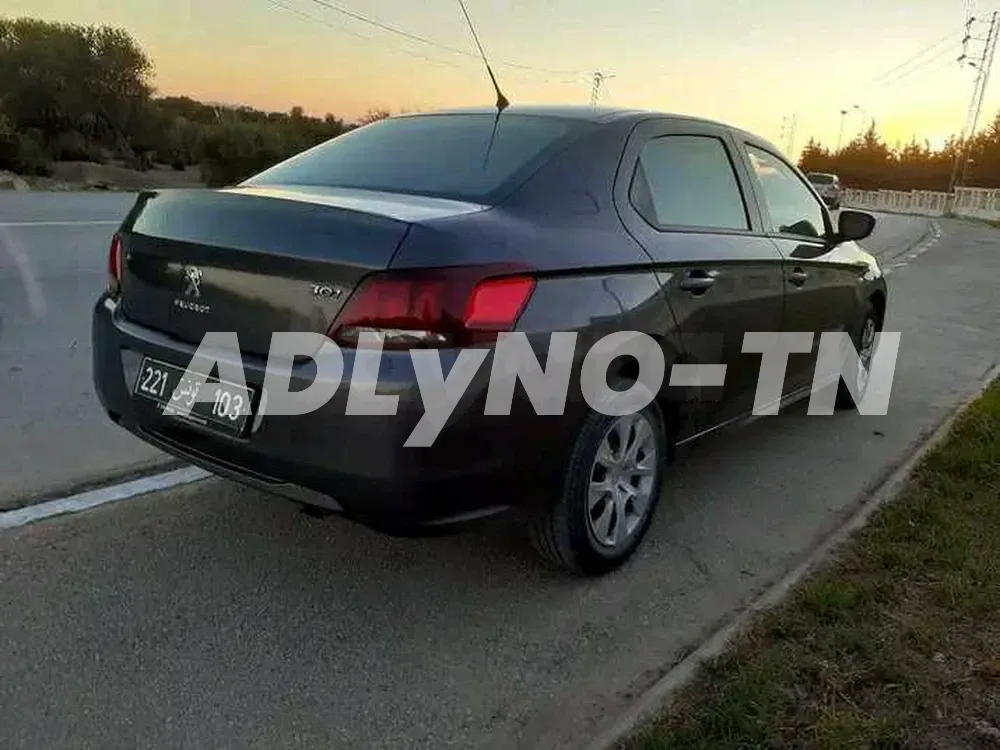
[570, 111]
[599, 115]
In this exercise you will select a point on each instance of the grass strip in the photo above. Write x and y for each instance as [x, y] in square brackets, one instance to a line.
[894, 643]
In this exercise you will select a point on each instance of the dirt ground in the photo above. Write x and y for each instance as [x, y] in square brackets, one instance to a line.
[80, 175]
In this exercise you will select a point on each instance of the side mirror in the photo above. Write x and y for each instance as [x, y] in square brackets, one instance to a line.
[854, 225]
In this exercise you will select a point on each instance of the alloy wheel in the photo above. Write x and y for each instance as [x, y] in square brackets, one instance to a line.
[622, 479]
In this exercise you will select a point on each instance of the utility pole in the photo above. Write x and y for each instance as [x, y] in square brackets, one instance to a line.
[787, 134]
[983, 63]
[792, 126]
[843, 116]
[984, 74]
[865, 118]
[595, 92]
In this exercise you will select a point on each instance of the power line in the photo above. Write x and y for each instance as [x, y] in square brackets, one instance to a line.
[923, 66]
[929, 48]
[434, 59]
[313, 19]
[928, 74]
[430, 42]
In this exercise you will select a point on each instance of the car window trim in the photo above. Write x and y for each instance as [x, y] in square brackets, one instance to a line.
[692, 228]
[765, 209]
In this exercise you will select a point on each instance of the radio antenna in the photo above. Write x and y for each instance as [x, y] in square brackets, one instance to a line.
[502, 102]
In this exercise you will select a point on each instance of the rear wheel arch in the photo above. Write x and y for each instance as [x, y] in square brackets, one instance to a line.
[668, 402]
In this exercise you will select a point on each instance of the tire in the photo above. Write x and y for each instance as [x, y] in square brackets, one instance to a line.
[566, 533]
[864, 342]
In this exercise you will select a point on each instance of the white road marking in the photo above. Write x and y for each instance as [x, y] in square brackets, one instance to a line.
[918, 250]
[95, 223]
[86, 500]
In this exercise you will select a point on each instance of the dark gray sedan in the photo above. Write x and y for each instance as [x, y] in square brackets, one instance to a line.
[441, 231]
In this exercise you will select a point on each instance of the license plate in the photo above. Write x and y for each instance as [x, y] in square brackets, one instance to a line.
[227, 409]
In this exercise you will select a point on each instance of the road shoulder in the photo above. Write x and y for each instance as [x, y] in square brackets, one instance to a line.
[856, 642]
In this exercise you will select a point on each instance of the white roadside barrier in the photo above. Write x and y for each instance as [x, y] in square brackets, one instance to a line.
[974, 203]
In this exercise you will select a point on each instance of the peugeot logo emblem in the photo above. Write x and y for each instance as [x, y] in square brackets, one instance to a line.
[193, 277]
[326, 291]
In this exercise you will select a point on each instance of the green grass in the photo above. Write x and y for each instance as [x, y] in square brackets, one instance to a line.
[893, 644]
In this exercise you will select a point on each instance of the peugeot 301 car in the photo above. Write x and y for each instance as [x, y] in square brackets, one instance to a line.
[441, 231]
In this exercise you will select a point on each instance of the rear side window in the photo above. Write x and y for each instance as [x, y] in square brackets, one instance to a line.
[449, 156]
[688, 180]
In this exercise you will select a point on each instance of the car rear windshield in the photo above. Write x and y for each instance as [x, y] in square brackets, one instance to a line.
[821, 179]
[448, 156]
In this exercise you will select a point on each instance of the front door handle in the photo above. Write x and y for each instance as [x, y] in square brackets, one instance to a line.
[798, 277]
[698, 282]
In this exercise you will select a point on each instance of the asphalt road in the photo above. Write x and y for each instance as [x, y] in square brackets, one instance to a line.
[54, 436]
[53, 265]
[214, 616]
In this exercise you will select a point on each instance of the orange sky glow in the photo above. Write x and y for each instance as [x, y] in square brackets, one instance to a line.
[752, 64]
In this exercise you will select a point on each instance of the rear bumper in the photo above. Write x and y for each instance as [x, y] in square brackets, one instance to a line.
[357, 465]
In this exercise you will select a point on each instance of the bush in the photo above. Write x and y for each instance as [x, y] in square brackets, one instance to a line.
[34, 159]
[74, 146]
[178, 144]
[233, 151]
[141, 161]
[23, 153]
[10, 144]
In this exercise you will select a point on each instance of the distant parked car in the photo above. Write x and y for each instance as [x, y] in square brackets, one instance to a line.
[828, 187]
[441, 231]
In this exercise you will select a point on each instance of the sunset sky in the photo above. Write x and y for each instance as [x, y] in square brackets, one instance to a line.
[748, 63]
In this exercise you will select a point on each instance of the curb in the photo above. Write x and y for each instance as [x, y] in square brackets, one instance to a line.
[658, 696]
[896, 253]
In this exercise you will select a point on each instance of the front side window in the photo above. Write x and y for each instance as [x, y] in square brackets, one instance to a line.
[791, 204]
[688, 180]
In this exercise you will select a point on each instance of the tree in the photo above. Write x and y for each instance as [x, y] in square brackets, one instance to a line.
[374, 115]
[814, 158]
[93, 80]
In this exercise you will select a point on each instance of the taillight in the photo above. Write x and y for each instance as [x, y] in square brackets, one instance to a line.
[445, 307]
[115, 266]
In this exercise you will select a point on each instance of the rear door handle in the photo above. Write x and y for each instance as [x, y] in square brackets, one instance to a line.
[798, 277]
[698, 282]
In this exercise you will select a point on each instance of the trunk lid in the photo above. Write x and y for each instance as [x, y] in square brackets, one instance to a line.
[258, 260]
